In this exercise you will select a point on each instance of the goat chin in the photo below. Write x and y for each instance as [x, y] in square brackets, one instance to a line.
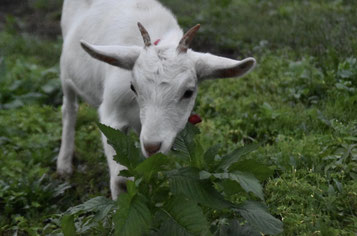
[109, 60]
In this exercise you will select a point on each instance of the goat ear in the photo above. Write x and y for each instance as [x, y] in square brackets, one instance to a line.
[121, 56]
[209, 66]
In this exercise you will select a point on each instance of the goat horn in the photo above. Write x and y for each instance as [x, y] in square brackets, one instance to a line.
[185, 42]
[145, 34]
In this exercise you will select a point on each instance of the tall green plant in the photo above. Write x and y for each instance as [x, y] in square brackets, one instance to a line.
[191, 191]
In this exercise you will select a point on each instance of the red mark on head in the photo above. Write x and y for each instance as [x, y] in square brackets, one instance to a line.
[194, 119]
[157, 42]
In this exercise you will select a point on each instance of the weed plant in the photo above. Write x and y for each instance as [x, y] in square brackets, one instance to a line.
[185, 193]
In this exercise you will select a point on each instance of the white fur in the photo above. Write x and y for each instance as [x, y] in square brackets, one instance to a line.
[159, 74]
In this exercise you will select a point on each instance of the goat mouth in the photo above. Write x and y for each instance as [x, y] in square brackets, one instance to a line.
[152, 153]
[148, 154]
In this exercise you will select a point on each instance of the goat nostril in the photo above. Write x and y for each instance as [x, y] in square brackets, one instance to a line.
[152, 148]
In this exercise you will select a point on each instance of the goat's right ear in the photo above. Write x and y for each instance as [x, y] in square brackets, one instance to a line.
[209, 66]
[121, 56]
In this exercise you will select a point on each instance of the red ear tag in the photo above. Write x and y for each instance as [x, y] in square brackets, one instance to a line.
[157, 42]
[194, 119]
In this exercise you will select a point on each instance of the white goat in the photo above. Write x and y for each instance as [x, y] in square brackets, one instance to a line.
[150, 88]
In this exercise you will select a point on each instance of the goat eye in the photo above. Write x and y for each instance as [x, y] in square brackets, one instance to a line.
[132, 88]
[187, 94]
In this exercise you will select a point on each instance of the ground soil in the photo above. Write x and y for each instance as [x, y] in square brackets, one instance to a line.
[29, 19]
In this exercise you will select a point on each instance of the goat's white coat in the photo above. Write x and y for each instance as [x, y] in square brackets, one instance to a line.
[159, 74]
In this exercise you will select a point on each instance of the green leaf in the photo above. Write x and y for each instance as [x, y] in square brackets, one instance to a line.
[94, 204]
[2, 69]
[189, 172]
[133, 216]
[256, 214]
[229, 159]
[248, 182]
[209, 157]
[161, 195]
[259, 170]
[101, 205]
[131, 188]
[338, 185]
[204, 175]
[185, 181]
[127, 154]
[197, 156]
[51, 86]
[184, 144]
[235, 228]
[183, 217]
[151, 166]
[231, 187]
[67, 225]
[188, 147]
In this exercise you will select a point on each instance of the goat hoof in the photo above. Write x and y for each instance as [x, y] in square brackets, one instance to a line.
[64, 172]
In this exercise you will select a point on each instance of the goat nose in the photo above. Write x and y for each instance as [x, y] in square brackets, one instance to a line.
[152, 148]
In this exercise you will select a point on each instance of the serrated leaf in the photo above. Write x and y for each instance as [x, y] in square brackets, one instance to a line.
[186, 182]
[188, 146]
[67, 225]
[127, 154]
[183, 217]
[133, 216]
[151, 166]
[259, 170]
[116, 138]
[255, 213]
[248, 182]
[235, 156]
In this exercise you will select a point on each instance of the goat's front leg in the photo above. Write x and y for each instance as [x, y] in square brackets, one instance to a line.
[69, 114]
[117, 183]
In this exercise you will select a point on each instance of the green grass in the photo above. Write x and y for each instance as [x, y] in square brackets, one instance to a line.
[299, 103]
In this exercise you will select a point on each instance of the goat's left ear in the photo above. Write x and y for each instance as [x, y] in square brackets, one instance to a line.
[209, 66]
[121, 56]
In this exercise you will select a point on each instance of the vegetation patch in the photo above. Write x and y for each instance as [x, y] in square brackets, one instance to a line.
[298, 105]
[178, 194]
